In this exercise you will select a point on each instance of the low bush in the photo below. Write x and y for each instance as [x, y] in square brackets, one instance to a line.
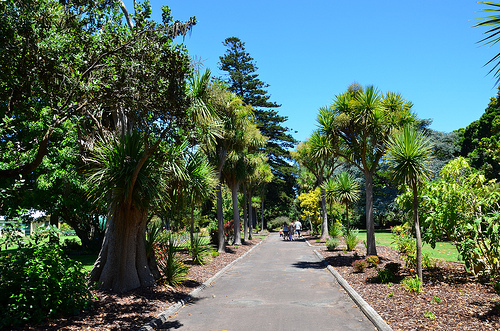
[351, 239]
[173, 269]
[359, 265]
[199, 249]
[412, 284]
[385, 276]
[336, 230]
[332, 243]
[39, 282]
[372, 260]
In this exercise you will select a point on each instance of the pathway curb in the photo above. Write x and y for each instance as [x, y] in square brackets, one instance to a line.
[370, 313]
[163, 316]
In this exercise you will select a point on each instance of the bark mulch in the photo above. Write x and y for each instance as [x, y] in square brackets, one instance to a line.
[130, 311]
[451, 299]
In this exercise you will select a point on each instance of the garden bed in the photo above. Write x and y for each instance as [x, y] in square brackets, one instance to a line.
[451, 299]
[130, 311]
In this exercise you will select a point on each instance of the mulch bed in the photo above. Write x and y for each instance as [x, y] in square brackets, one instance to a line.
[132, 310]
[466, 302]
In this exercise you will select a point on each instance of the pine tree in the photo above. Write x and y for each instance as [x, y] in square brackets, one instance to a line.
[245, 83]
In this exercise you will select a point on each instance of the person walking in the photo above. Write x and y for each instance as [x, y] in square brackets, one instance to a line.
[291, 230]
[298, 228]
[285, 231]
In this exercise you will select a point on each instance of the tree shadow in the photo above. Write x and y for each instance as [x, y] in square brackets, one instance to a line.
[309, 265]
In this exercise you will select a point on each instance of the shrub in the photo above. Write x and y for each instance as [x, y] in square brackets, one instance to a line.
[336, 230]
[351, 239]
[412, 284]
[40, 282]
[359, 265]
[385, 276]
[372, 260]
[276, 223]
[199, 249]
[403, 239]
[332, 243]
[72, 245]
[173, 269]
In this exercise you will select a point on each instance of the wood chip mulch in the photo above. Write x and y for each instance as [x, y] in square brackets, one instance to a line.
[451, 299]
[132, 310]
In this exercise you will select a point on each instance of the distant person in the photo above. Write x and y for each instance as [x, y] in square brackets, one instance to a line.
[291, 231]
[285, 231]
[298, 228]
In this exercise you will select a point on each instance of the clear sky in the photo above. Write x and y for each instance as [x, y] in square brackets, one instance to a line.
[310, 51]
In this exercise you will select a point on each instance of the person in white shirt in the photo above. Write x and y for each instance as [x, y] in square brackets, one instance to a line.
[298, 228]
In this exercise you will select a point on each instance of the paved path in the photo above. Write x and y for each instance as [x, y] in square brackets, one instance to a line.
[280, 285]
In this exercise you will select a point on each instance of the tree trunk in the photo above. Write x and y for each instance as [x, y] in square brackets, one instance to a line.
[220, 220]
[122, 263]
[348, 226]
[262, 213]
[236, 215]
[371, 248]
[250, 216]
[191, 228]
[245, 213]
[324, 222]
[417, 232]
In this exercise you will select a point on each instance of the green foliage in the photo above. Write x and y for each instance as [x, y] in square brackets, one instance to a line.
[39, 282]
[359, 265]
[429, 314]
[332, 243]
[173, 270]
[372, 260]
[412, 284]
[385, 276]
[199, 249]
[335, 230]
[351, 239]
[309, 204]
[276, 223]
[436, 299]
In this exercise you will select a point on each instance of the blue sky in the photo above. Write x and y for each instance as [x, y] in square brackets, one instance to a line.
[310, 51]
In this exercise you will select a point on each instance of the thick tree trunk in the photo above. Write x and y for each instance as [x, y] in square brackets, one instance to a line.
[220, 220]
[371, 248]
[122, 263]
[417, 232]
[262, 212]
[236, 216]
[324, 222]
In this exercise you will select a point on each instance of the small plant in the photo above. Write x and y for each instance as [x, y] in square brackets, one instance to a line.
[389, 284]
[332, 243]
[336, 230]
[390, 295]
[199, 249]
[359, 265]
[351, 239]
[496, 287]
[214, 253]
[372, 260]
[430, 314]
[412, 284]
[436, 299]
[173, 269]
[385, 276]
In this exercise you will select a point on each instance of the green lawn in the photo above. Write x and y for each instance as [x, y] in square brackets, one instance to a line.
[444, 250]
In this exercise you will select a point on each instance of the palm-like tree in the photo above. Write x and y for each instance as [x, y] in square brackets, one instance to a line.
[493, 34]
[345, 189]
[409, 155]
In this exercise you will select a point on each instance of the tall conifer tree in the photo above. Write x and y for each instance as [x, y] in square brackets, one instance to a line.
[245, 83]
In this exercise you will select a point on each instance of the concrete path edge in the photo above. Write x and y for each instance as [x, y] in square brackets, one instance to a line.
[370, 313]
[163, 316]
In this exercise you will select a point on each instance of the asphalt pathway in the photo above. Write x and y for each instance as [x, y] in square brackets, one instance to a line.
[279, 285]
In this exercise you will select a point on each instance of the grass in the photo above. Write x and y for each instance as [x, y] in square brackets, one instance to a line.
[444, 250]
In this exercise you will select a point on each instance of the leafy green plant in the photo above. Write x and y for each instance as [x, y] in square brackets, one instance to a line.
[332, 243]
[276, 223]
[430, 314]
[40, 282]
[336, 230]
[351, 239]
[496, 287]
[173, 269]
[372, 260]
[436, 299]
[359, 265]
[412, 284]
[390, 295]
[199, 249]
[385, 275]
